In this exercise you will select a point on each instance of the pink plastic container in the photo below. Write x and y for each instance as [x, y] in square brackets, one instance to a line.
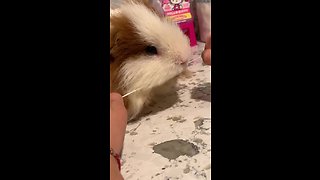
[180, 12]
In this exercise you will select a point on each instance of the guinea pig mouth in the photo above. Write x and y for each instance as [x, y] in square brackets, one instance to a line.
[181, 63]
[184, 64]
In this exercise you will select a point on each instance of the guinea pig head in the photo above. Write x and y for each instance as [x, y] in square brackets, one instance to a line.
[146, 49]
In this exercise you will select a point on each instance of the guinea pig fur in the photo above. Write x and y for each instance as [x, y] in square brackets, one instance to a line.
[147, 51]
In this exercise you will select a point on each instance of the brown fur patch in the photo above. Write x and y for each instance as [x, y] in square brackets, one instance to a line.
[124, 42]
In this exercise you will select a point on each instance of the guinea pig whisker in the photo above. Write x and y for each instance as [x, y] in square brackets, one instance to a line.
[131, 92]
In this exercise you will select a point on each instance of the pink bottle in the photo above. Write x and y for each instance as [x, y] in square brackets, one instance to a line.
[179, 11]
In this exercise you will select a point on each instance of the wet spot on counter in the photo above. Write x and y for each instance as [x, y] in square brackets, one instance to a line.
[175, 148]
[202, 92]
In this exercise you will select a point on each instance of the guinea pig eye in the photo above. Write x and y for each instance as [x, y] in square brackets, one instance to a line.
[151, 50]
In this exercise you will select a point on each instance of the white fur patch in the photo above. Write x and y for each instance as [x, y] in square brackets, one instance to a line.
[147, 73]
[136, 103]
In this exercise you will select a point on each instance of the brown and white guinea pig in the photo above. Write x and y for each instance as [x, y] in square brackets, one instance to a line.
[147, 51]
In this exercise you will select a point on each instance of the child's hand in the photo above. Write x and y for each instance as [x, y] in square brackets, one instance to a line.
[206, 54]
[118, 122]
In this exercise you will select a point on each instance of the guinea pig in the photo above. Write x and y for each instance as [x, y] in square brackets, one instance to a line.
[147, 51]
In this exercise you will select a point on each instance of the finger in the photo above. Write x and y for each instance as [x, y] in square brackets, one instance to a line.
[206, 56]
[116, 101]
[115, 98]
[117, 106]
[208, 43]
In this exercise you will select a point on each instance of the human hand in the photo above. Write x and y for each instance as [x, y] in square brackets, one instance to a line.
[118, 122]
[206, 54]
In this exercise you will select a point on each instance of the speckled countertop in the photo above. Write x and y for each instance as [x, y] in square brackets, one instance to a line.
[173, 142]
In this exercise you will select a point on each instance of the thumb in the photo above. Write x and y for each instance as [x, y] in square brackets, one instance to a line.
[206, 56]
[116, 100]
[117, 108]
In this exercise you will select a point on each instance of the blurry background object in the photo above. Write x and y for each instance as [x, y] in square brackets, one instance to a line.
[200, 10]
[203, 14]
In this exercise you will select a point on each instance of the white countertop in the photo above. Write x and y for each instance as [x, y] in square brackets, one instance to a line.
[179, 120]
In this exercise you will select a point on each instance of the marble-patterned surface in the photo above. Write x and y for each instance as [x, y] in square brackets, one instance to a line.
[173, 141]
